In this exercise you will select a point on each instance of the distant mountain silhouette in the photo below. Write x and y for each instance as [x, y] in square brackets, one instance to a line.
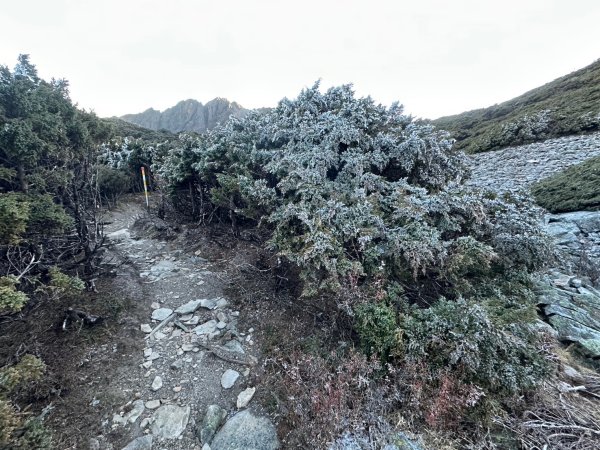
[188, 115]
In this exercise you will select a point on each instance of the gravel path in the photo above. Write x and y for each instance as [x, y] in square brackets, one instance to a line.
[201, 356]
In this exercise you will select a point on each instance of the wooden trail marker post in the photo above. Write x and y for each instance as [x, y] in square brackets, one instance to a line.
[145, 187]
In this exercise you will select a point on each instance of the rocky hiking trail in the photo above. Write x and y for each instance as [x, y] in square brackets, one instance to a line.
[183, 368]
[188, 384]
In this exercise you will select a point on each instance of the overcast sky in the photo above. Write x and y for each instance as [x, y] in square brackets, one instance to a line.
[437, 57]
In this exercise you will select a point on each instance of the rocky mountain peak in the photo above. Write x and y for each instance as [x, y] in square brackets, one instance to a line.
[188, 115]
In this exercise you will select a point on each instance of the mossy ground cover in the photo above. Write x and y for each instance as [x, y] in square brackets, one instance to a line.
[575, 189]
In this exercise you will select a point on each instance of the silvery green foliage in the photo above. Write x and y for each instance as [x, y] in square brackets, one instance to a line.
[176, 165]
[527, 127]
[353, 189]
[459, 337]
[115, 154]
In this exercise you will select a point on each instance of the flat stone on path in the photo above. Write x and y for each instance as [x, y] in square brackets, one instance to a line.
[136, 411]
[170, 421]
[222, 303]
[207, 327]
[234, 345]
[246, 431]
[193, 321]
[152, 404]
[161, 313]
[177, 364]
[208, 304]
[229, 378]
[141, 443]
[157, 383]
[244, 397]
[163, 267]
[189, 307]
[119, 234]
[146, 328]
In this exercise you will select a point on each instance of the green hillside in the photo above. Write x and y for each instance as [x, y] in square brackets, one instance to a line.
[575, 189]
[567, 105]
[122, 128]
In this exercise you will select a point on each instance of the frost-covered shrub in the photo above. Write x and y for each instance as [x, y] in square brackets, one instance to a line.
[354, 190]
[527, 128]
[460, 336]
[370, 205]
[124, 152]
[120, 161]
[459, 365]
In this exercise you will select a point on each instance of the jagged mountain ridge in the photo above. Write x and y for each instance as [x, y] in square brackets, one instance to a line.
[188, 115]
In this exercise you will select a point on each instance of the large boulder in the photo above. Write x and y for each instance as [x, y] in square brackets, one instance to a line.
[248, 432]
[141, 443]
[574, 312]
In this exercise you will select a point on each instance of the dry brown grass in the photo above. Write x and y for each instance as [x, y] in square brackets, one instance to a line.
[565, 412]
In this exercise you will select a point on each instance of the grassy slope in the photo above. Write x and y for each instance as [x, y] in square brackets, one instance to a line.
[122, 128]
[575, 189]
[568, 98]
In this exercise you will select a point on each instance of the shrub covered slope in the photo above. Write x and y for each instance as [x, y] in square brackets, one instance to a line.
[575, 189]
[567, 105]
[370, 206]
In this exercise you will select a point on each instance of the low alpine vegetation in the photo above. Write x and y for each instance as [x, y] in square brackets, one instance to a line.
[574, 189]
[370, 206]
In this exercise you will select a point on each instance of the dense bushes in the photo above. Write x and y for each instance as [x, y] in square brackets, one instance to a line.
[48, 197]
[459, 339]
[574, 189]
[48, 204]
[112, 183]
[527, 128]
[371, 207]
[121, 157]
[354, 191]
